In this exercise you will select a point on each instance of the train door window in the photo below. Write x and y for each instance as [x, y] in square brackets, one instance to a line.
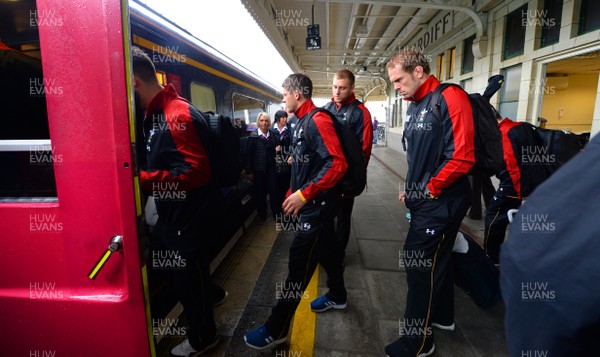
[26, 154]
[203, 97]
[247, 108]
[452, 58]
[468, 58]
[514, 33]
[550, 21]
[589, 19]
[509, 94]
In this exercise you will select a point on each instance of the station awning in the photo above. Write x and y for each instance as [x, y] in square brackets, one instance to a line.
[361, 35]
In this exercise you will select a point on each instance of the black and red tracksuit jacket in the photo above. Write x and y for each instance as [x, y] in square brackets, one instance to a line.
[523, 172]
[318, 159]
[440, 153]
[177, 157]
[359, 122]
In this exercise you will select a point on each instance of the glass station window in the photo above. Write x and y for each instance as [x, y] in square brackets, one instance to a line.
[247, 108]
[162, 78]
[203, 97]
[550, 21]
[468, 58]
[441, 67]
[589, 18]
[514, 33]
[451, 64]
[26, 154]
[509, 93]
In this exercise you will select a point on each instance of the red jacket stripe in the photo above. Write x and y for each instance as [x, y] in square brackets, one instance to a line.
[338, 167]
[463, 133]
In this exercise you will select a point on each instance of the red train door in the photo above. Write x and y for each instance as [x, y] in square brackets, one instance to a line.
[52, 235]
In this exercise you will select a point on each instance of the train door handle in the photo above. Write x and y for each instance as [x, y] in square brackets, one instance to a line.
[116, 244]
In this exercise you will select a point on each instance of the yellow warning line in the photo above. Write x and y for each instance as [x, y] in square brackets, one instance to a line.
[302, 341]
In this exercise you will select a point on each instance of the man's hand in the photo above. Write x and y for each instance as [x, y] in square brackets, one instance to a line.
[401, 197]
[293, 204]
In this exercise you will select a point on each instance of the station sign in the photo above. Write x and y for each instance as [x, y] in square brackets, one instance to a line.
[313, 39]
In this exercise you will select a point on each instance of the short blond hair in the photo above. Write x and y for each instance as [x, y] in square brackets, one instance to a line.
[263, 114]
[345, 74]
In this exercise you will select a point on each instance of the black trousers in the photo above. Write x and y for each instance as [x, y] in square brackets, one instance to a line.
[283, 181]
[267, 182]
[332, 259]
[426, 258]
[316, 223]
[185, 227]
[496, 221]
[480, 185]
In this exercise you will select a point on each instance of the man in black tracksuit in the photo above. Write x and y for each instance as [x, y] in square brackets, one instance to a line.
[180, 179]
[352, 113]
[521, 174]
[318, 164]
[550, 266]
[440, 154]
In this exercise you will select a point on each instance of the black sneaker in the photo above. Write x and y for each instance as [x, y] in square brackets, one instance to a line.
[405, 347]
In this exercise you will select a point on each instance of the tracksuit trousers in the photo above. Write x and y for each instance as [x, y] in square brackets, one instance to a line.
[426, 258]
[185, 228]
[315, 227]
[334, 252]
[496, 221]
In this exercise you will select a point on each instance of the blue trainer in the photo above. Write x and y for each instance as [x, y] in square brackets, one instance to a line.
[261, 338]
[324, 303]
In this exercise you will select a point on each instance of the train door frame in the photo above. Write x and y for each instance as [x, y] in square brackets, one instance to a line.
[49, 302]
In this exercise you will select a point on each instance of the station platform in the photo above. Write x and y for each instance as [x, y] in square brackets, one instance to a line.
[375, 281]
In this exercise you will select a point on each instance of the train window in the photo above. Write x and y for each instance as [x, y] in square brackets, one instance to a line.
[247, 108]
[26, 155]
[203, 97]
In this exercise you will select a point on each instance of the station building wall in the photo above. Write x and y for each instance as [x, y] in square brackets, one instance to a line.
[527, 87]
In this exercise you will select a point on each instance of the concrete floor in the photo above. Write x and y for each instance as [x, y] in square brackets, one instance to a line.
[375, 281]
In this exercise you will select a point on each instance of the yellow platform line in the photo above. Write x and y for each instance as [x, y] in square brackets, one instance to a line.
[302, 341]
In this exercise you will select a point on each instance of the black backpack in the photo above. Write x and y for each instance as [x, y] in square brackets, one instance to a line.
[559, 147]
[354, 181]
[489, 156]
[224, 149]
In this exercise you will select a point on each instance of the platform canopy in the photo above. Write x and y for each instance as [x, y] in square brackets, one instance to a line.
[361, 35]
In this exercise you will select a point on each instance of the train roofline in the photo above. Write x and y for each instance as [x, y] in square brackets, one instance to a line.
[148, 13]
